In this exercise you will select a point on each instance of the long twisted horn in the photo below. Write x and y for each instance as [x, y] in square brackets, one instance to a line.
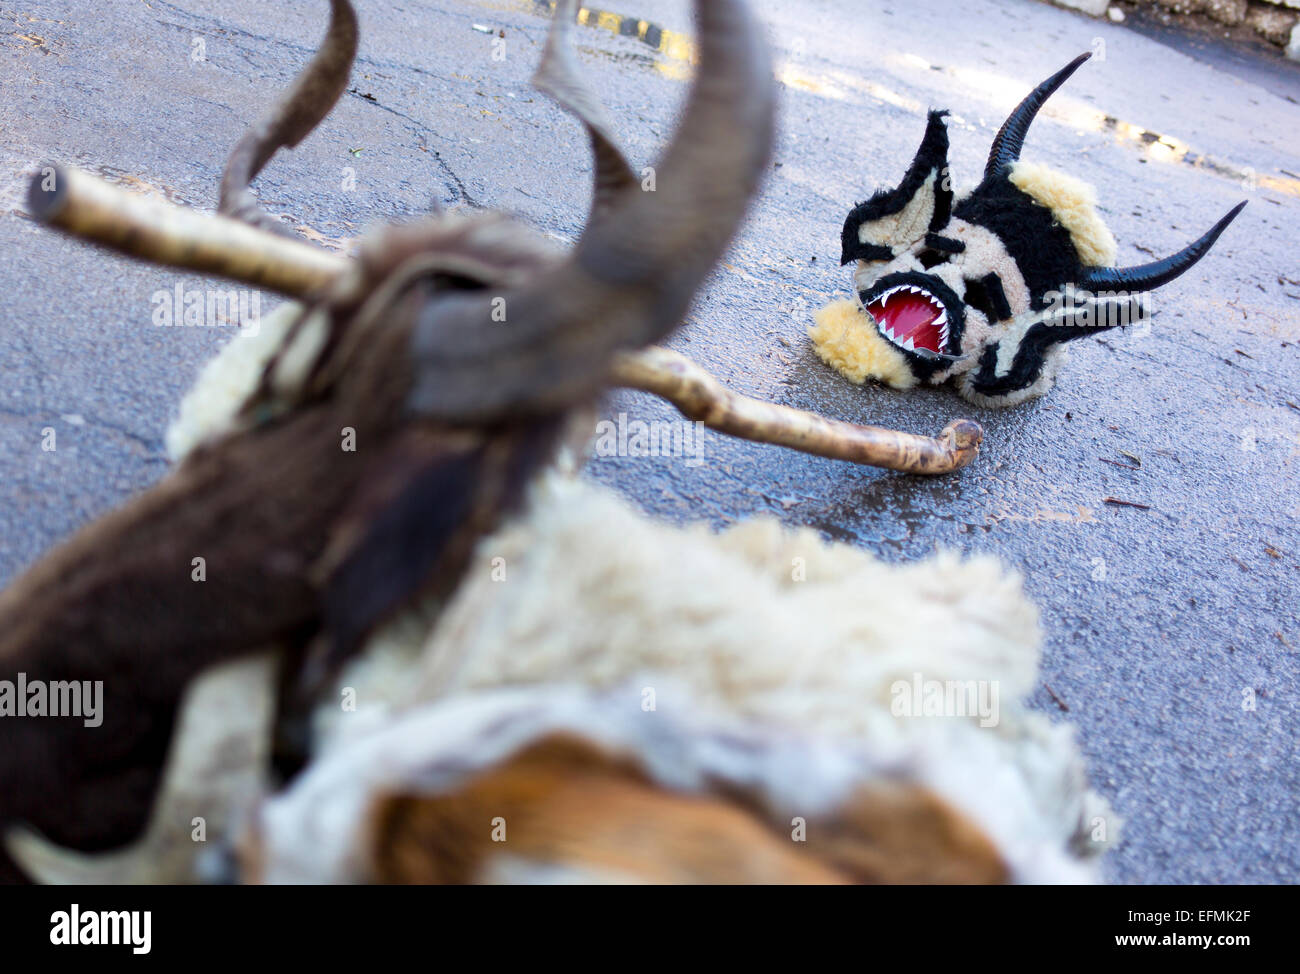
[1011, 137]
[1148, 277]
[639, 263]
[558, 77]
[312, 96]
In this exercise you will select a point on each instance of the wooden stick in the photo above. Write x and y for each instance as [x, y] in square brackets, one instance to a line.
[163, 233]
[701, 397]
[174, 236]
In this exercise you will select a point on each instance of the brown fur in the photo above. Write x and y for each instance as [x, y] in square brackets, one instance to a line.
[117, 601]
[899, 833]
[566, 803]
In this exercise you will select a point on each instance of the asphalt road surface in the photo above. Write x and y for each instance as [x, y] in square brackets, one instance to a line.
[1172, 636]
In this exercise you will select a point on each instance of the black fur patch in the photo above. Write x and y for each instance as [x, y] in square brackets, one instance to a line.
[403, 544]
[931, 158]
[1026, 367]
[997, 296]
[945, 244]
[986, 295]
[1030, 357]
[1041, 247]
[866, 251]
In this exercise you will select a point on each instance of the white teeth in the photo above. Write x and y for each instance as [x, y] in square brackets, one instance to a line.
[941, 321]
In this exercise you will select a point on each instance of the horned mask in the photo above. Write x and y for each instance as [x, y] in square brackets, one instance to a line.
[985, 288]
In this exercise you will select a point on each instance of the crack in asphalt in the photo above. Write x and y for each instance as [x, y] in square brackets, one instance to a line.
[415, 126]
[421, 131]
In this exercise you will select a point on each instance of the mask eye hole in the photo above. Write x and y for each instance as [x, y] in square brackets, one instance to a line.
[986, 295]
[931, 258]
[977, 297]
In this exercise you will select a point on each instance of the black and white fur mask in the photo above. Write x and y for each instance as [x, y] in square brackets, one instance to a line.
[984, 288]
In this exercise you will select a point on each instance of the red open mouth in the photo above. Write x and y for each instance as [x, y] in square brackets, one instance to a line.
[911, 318]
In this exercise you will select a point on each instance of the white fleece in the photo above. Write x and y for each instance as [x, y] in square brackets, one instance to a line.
[226, 381]
[758, 625]
[760, 628]
[308, 833]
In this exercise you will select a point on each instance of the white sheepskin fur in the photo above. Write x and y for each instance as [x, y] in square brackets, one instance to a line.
[228, 380]
[307, 834]
[756, 625]
[730, 614]
[759, 631]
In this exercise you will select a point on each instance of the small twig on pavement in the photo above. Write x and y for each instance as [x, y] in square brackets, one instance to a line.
[1122, 503]
[1059, 702]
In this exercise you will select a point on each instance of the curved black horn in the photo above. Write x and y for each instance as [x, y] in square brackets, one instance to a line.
[1147, 277]
[1011, 137]
[633, 274]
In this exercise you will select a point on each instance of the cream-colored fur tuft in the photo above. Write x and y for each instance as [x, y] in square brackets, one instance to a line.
[728, 613]
[900, 230]
[845, 339]
[1074, 204]
[227, 380]
[765, 626]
